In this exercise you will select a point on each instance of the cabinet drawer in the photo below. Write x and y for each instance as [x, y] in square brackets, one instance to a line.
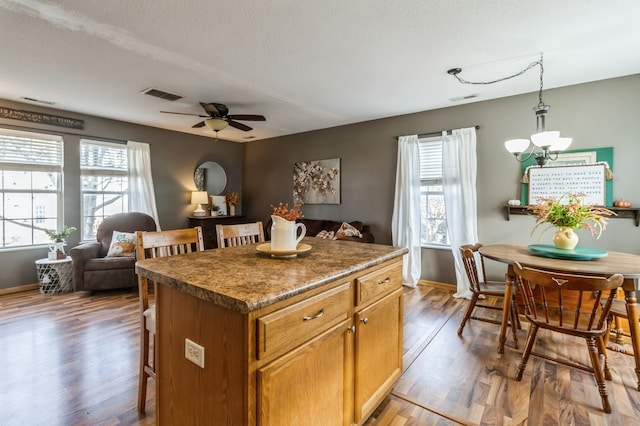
[370, 286]
[285, 329]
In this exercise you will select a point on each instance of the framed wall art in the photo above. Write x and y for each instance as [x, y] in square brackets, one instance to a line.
[317, 182]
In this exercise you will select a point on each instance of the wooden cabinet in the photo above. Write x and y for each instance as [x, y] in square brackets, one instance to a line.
[378, 337]
[378, 348]
[208, 224]
[311, 385]
[327, 356]
[302, 386]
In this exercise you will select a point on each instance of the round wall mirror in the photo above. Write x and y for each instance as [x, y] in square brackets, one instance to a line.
[210, 177]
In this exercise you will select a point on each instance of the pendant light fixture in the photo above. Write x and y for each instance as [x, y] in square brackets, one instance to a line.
[542, 145]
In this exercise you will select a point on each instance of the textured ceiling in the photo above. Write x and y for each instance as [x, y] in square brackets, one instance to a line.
[303, 65]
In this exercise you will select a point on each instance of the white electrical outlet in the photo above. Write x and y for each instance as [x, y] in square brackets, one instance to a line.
[194, 352]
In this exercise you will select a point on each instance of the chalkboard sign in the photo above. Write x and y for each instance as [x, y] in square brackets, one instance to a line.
[557, 181]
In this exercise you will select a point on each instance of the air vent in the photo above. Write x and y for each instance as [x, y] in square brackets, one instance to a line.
[463, 98]
[161, 94]
[38, 101]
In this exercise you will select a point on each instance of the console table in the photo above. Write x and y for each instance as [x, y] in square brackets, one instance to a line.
[208, 224]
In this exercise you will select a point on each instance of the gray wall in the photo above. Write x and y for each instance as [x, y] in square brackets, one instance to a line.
[174, 157]
[599, 114]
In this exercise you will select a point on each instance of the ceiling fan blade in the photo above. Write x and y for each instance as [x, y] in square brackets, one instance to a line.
[200, 124]
[239, 125]
[210, 108]
[183, 113]
[247, 117]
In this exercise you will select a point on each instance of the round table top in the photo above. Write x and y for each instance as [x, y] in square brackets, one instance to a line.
[46, 261]
[614, 263]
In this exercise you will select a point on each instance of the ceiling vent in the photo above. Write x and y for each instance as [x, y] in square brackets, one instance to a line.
[40, 101]
[161, 94]
[463, 98]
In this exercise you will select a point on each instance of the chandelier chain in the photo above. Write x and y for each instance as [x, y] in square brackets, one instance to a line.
[519, 73]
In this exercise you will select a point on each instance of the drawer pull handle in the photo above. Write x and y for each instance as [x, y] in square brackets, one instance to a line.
[365, 320]
[385, 281]
[352, 329]
[318, 315]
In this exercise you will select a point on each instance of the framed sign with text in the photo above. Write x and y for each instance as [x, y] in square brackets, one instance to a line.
[589, 179]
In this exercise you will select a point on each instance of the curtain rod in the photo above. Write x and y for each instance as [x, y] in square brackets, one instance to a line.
[424, 135]
[60, 132]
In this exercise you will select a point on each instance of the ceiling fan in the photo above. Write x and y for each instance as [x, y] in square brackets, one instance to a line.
[219, 118]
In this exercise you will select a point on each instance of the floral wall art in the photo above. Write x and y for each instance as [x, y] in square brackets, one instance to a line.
[317, 182]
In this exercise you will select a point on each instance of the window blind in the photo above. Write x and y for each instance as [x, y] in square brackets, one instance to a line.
[98, 155]
[431, 159]
[24, 148]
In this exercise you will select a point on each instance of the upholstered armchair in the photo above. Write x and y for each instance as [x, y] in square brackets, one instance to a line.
[93, 269]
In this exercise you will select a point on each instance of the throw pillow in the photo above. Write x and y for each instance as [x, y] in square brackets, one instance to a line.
[327, 235]
[122, 244]
[347, 230]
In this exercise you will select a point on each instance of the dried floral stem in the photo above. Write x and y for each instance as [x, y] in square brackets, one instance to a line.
[287, 213]
[570, 211]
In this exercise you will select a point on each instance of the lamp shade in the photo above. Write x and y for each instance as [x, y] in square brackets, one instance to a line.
[560, 144]
[216, 124]
[547, 138]
[199, 197]
[516, 146]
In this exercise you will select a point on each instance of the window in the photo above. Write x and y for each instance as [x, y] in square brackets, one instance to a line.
[103, 170]
[432, 211]
[30, 186]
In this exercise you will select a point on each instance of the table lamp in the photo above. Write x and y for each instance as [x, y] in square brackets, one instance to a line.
[199, 198]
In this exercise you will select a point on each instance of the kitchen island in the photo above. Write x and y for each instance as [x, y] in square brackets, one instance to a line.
[313, 339]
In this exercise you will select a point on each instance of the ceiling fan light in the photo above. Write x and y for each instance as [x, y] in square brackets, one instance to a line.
[547, 138]
[516, 146]
[216, 124]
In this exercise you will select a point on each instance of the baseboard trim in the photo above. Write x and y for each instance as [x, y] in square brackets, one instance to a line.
[437, 284]
[19, 289]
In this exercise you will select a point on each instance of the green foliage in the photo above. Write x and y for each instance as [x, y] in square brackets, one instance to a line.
[58, 237]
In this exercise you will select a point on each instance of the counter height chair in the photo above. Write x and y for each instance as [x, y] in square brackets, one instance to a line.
[240, 234]
[480, 288]
[150, 245]
[585, 316]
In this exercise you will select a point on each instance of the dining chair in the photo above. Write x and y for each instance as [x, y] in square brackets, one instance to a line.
[617, 314]
[481, 288]
[151, 245]
[546, 294]
[239, 234]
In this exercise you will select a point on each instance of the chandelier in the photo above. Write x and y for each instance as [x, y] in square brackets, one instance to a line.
[544, 145]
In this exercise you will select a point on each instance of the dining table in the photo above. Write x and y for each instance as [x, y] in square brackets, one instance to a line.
[610, 263]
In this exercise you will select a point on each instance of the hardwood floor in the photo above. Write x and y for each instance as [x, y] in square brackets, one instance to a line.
[72, 359]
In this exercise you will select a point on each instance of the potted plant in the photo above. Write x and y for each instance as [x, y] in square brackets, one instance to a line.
[232, 199]
[58, 238]
[567, 213]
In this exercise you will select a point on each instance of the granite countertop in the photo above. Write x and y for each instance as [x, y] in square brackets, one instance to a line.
[243, 279]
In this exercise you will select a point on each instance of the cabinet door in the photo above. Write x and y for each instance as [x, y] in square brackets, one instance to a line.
[311, 385]
[378, 352]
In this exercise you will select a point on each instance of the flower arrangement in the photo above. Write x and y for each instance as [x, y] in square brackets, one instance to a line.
[287, 213]
[570, 211]
[59, 237]
[232, 198]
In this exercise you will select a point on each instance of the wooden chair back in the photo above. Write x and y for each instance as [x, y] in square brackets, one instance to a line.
[150, 245]
[567, 302]
[240, 234]
[470, 255]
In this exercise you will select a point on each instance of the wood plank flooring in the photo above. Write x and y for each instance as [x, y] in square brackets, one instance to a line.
[72, 359]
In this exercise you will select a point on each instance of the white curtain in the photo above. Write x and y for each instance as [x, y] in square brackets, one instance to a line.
[459, 166]
[141, 194]
[405, 222]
